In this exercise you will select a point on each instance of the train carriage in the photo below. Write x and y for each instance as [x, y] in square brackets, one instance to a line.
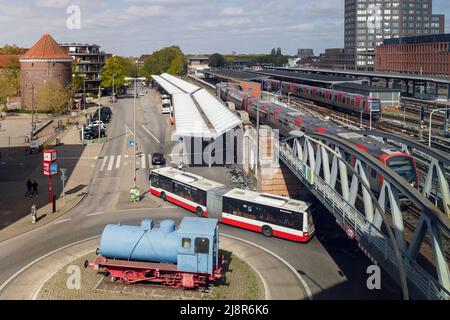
[287, 119]
[343, 101]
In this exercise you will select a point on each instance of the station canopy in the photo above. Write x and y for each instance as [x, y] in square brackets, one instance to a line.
[181, 84]
[188, 120]
[167, 86]
[220, 117]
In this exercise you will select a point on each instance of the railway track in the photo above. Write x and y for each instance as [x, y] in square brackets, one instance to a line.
[395, 125]
[412, 214]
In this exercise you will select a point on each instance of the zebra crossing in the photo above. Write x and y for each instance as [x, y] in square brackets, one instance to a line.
[115, 162]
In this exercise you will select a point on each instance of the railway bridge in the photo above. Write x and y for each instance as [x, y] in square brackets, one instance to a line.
[414, 253]
[377, 221]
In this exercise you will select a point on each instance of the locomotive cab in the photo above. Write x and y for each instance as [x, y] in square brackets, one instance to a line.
[198, 246]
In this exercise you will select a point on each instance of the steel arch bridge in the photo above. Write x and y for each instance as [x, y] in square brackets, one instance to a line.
[375, 221]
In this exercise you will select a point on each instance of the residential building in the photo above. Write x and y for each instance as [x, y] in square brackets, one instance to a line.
[428, 55]
[369, 22]
[88, 62]
[45, 61]
[196, 65]
[8, 62]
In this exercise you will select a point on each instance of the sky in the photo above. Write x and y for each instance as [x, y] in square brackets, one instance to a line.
[135, 27]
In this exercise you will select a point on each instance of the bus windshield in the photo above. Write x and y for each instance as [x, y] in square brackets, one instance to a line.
[403, 166]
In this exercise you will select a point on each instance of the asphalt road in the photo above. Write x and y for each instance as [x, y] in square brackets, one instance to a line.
[333, 269]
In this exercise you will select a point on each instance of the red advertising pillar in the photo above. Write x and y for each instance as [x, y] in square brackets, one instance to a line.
[50, 168]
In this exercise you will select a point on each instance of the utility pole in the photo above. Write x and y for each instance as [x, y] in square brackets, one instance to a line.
[257, 140]
[32, 113]
[99, 109]
[134, 123]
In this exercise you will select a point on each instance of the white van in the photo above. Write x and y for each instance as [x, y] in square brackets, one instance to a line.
[166, 106]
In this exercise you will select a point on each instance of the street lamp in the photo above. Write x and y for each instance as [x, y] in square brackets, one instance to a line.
[134, 119]
[429, 124]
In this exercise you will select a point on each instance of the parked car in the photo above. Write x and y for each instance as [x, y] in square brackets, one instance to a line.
[158, 159]
[92, 133]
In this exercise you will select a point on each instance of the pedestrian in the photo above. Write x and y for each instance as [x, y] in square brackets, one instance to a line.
[35, 188]
[29, 186]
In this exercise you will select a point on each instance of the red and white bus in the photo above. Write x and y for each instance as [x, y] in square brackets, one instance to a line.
[268, 214]
[186, 190]
[272, 215]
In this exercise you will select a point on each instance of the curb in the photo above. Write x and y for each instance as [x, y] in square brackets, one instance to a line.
[50, 221]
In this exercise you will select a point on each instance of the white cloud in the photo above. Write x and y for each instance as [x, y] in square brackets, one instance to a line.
[133, 27]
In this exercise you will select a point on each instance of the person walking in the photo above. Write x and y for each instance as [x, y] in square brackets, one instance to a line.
[35, 188]
[29, 186]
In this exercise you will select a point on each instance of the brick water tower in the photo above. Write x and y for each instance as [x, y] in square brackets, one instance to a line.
[45, 61]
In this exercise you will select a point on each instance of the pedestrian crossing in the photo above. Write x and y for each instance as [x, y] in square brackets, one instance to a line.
[115, 162]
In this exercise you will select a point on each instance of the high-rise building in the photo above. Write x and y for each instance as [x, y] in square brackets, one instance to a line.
[88, 61]
[305, 53]
[369, 22]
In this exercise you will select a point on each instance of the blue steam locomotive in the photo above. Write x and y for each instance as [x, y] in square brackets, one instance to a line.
[186, 257]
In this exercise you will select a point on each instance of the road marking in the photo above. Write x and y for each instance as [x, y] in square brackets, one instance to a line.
[5, 284]
[118, 162]
[61, 221]
[302, 280]
[151, 134]
[94, 214]
[144, 163]
[126, 156]
[111, 163]
[104, 163]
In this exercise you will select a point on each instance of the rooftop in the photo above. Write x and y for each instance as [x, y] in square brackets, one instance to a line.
[358, 86]
[234, 75]
[435, 38]
[47, 49]
[8, 61]
[355, 73]
[295, 75]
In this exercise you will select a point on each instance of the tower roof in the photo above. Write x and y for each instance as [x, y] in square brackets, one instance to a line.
[46, 49]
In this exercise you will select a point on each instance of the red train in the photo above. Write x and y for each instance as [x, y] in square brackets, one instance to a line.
[286, 120]
[339, 100]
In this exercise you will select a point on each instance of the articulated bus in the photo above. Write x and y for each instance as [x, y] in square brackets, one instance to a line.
[268, 214]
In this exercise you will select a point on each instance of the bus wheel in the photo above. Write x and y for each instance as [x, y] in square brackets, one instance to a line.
[267, 231]
[163, 196]
[199, 212]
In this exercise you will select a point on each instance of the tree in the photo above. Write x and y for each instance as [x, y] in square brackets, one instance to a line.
[9, 81]
[115, 70]
[170, 60]
[11, 50]
[53, 96]
[217, 60]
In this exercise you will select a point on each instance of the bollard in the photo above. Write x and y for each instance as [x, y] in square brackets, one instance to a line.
[54, 204]
[33, 214]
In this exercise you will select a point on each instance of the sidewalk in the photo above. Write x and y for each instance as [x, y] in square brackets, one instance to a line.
[80, 169]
